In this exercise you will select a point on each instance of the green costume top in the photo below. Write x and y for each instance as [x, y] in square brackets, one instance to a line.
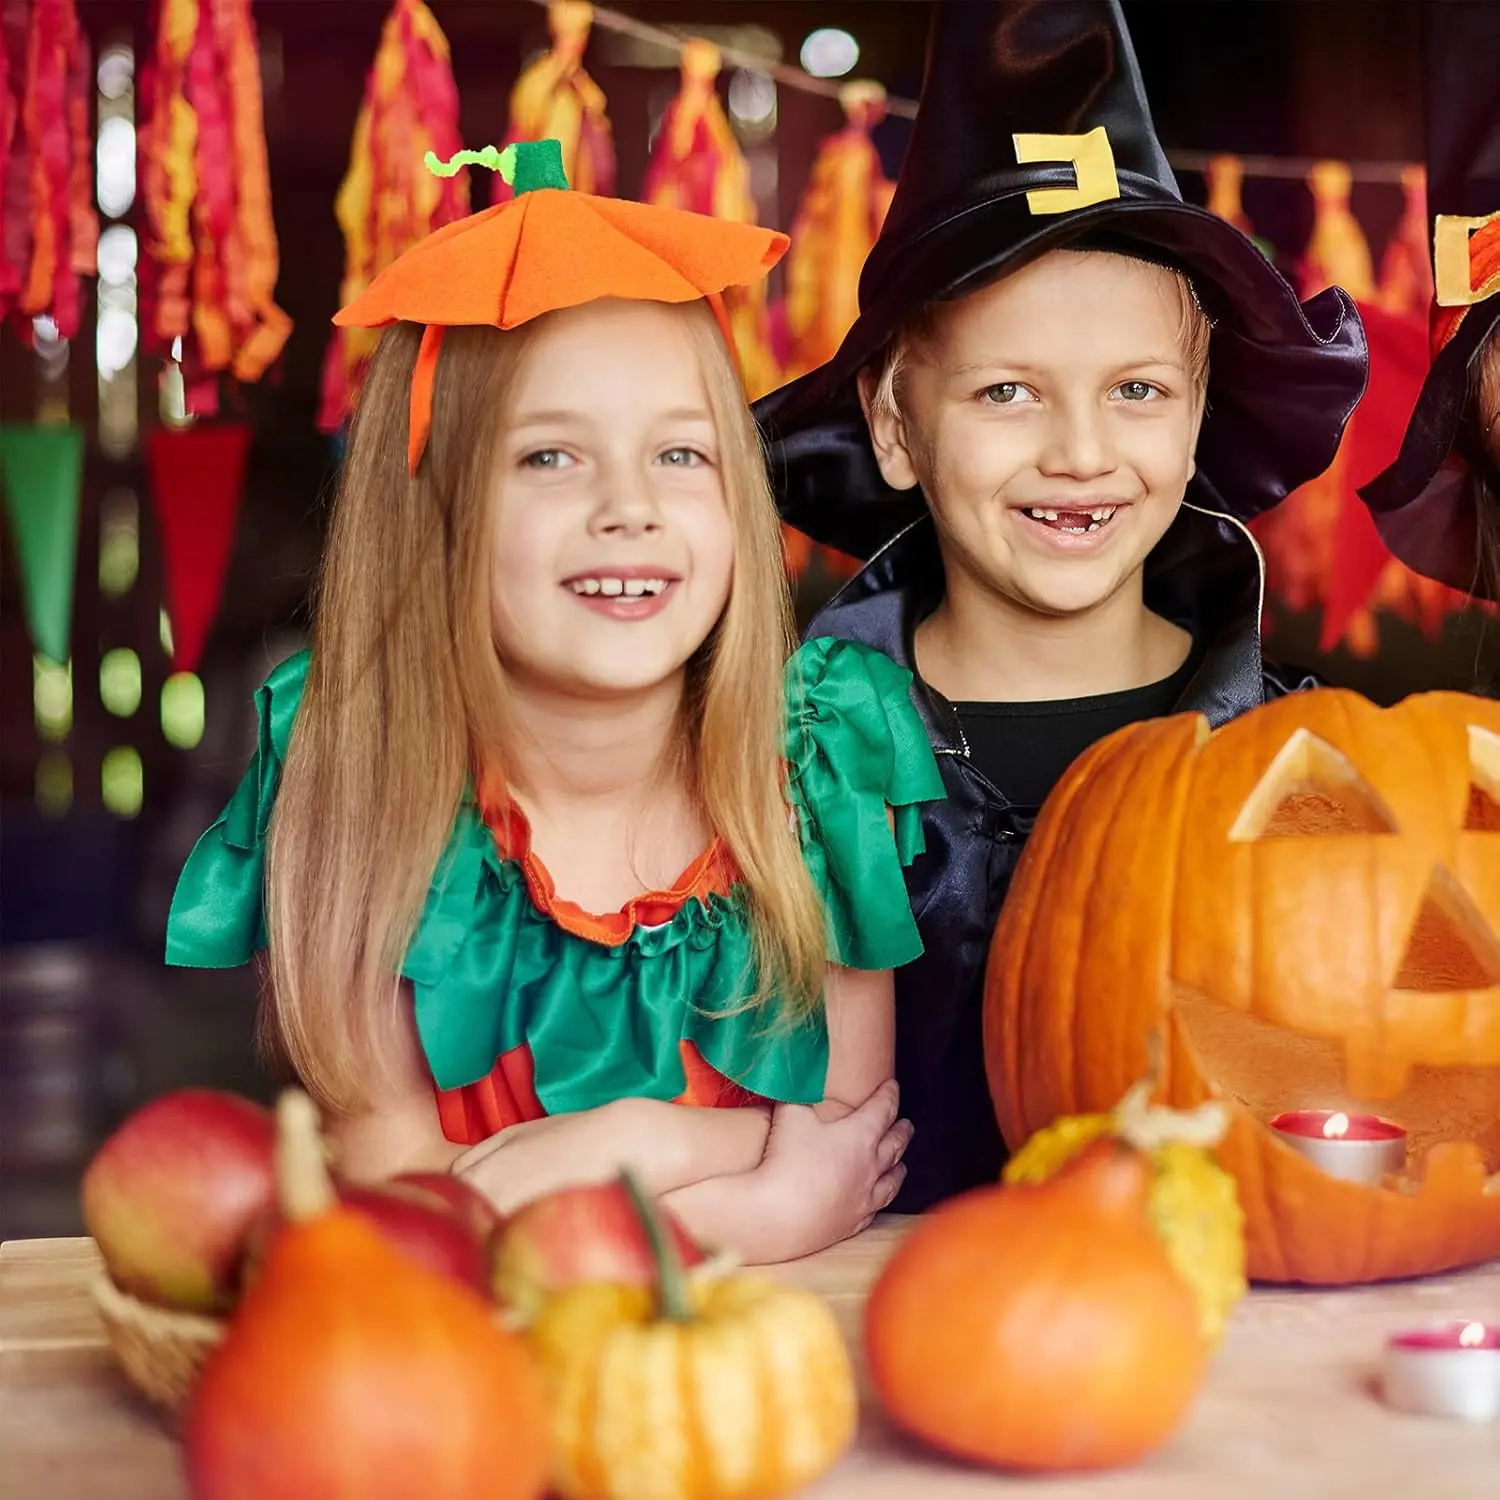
[525, 1005]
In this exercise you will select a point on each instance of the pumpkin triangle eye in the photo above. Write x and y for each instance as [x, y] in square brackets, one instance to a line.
[1450, 946]
[1310, 790]
[1483, 814]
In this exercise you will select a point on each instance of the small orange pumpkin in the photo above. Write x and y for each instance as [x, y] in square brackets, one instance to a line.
[1039, 1326]
[351, 1372]
[1306, 902]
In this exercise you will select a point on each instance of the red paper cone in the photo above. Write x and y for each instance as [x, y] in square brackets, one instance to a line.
[1398, 362]
[197, 477]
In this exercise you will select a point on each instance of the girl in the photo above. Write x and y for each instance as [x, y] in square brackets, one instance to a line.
[543, 762]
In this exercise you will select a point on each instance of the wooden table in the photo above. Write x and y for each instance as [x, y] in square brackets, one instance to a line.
[1289, 1409]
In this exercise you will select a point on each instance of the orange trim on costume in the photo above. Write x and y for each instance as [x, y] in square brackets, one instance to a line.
[1484, 267]
[423, 376]
[707, 1087]
[505, 1097]
[713, 873]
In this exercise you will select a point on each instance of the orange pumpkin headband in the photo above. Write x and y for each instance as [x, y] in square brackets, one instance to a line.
[546, 249]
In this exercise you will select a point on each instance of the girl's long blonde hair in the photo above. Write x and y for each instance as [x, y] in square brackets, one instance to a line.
[406, 694]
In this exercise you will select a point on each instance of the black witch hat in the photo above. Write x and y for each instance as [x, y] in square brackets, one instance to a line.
[1034, 132]
[1426, 504]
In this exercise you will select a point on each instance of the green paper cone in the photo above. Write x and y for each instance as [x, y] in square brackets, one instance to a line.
[42, 472]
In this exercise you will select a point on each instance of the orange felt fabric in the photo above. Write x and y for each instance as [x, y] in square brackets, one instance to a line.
[551, 249]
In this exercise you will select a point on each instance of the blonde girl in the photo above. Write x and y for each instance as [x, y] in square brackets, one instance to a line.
[559, 863]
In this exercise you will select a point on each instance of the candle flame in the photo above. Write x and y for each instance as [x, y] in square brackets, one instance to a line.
[1336, 1127]
[1472, 1335]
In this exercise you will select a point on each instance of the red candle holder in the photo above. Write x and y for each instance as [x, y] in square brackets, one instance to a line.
[1452, 1370]
[1354, 1147]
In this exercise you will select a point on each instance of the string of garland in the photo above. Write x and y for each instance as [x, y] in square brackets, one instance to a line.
[1292, 168]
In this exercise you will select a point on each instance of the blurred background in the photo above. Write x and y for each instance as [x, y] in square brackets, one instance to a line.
[164, 513]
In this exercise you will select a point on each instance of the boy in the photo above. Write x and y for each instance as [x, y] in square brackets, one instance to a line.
[1065, 393]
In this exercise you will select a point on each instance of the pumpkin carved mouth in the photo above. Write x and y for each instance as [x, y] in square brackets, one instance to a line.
[1266, 1069]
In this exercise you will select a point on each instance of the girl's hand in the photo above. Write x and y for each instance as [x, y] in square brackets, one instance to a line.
[828, 1170]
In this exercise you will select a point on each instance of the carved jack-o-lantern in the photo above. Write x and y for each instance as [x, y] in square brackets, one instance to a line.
[1306, 905]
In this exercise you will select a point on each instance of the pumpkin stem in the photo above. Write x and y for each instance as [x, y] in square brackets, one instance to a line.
[671, 1284]
[1146, 1126]
[302, 1180]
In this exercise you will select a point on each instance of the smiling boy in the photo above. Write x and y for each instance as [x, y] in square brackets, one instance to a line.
[1066, 392]
[1050, 419]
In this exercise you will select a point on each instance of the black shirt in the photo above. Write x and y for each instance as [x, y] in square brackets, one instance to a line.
[1024, 748]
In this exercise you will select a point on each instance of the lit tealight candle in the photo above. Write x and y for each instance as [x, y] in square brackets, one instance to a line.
[1358, 1148]
[1449, 1371]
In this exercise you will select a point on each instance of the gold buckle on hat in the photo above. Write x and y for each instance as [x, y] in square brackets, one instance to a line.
[1093, 162]
[1453, 260]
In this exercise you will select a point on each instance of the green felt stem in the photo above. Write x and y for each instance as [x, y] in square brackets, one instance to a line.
[503, 162]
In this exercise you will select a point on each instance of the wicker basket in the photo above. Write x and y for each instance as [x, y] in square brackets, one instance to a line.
[160, 1350]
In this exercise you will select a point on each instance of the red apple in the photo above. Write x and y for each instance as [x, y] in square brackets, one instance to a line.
[421, 1224]
[171, 1194]
[581, 1234]
[471, 1205]
[425, 1227]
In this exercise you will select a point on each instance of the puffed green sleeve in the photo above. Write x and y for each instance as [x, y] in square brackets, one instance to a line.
[216, 920]
[861, 767]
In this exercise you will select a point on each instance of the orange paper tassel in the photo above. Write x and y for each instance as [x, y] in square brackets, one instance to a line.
[1337, 254]
[211, 257]
[698, 166]
[1406, 266]
[51, 232]
[388, 200]
[555, 99]
[1224, 178]
[840, 216]
[836, 226]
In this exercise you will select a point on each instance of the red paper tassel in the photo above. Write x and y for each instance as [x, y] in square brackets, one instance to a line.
[197, 478]
[388, 200]
[50, 231]
[210, 258]
[14, 229]
[698, 166]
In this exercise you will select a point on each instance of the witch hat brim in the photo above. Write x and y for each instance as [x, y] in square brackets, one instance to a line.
[1033, 133]
[546, 249]
[1425, 504]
